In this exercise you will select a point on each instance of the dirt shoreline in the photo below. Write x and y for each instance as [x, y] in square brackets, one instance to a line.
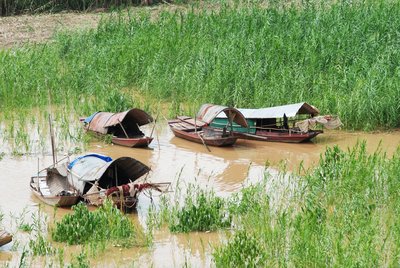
[17, 30]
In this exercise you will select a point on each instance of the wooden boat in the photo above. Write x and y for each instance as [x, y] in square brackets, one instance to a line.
[52, 187]
[132, 142]
[5, 238]
[51, 184]
[198, 129]
[288, 123]
[124, 127]
[279, 135]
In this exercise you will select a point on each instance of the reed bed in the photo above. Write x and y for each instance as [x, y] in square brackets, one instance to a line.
[342, 58]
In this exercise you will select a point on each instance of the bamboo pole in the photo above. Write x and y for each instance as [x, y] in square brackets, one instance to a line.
[53, 150]
[126, 134]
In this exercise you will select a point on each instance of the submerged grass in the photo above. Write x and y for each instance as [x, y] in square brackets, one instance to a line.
[202, 211]
[340, 57]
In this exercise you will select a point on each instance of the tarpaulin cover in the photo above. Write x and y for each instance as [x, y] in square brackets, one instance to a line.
[103, 157]
[89, 119]
[101, 121]
[208, 112]
[91, 168]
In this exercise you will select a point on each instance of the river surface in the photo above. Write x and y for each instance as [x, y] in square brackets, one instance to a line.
[225, 170]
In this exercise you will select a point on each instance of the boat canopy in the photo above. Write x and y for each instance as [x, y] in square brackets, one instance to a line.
[104, 122]
[208, 112]
[91, 168]
[289, 110]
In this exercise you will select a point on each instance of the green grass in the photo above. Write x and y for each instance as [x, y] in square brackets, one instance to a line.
[343, 213]
[342, 58]
[202, 211]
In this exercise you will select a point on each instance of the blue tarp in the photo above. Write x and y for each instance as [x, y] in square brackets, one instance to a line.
[103, 157]
[89, 119]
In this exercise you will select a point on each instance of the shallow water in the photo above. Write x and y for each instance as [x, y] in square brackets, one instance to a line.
[174, 160]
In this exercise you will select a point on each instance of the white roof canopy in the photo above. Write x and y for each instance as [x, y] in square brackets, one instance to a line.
[289, 110]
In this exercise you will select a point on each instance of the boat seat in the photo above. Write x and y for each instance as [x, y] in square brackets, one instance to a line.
[184, 126]
[192, 121]
[44, 188]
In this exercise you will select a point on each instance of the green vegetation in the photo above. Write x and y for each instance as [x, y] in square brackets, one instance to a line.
[243, 250]
[102, 225]
[343, 213]
[80, 261]
[342, 58]
[201, 211]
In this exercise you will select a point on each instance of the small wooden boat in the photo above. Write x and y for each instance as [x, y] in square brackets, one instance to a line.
[198, 129]
[213, 137]
[5, 238]
[279, 135]
[287, 123]
[52, 187]
[124, 127]
[51, 184]
[132, 142]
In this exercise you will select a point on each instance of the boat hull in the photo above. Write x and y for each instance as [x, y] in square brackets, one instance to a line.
[132, 142]
[279, 136]
[211, 141]
[57, 201]
[5, 238]
[53, 189]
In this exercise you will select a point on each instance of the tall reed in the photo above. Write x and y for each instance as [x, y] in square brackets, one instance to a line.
[342, 58]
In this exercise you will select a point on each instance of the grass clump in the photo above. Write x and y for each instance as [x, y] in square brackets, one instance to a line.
[243, 250]
[104, 224]
[201, 211]
[80, 261]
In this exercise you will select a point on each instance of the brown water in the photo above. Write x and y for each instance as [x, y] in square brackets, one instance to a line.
[174, 160]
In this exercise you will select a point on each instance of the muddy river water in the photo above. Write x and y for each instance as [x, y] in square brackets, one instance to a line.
[171, 159]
